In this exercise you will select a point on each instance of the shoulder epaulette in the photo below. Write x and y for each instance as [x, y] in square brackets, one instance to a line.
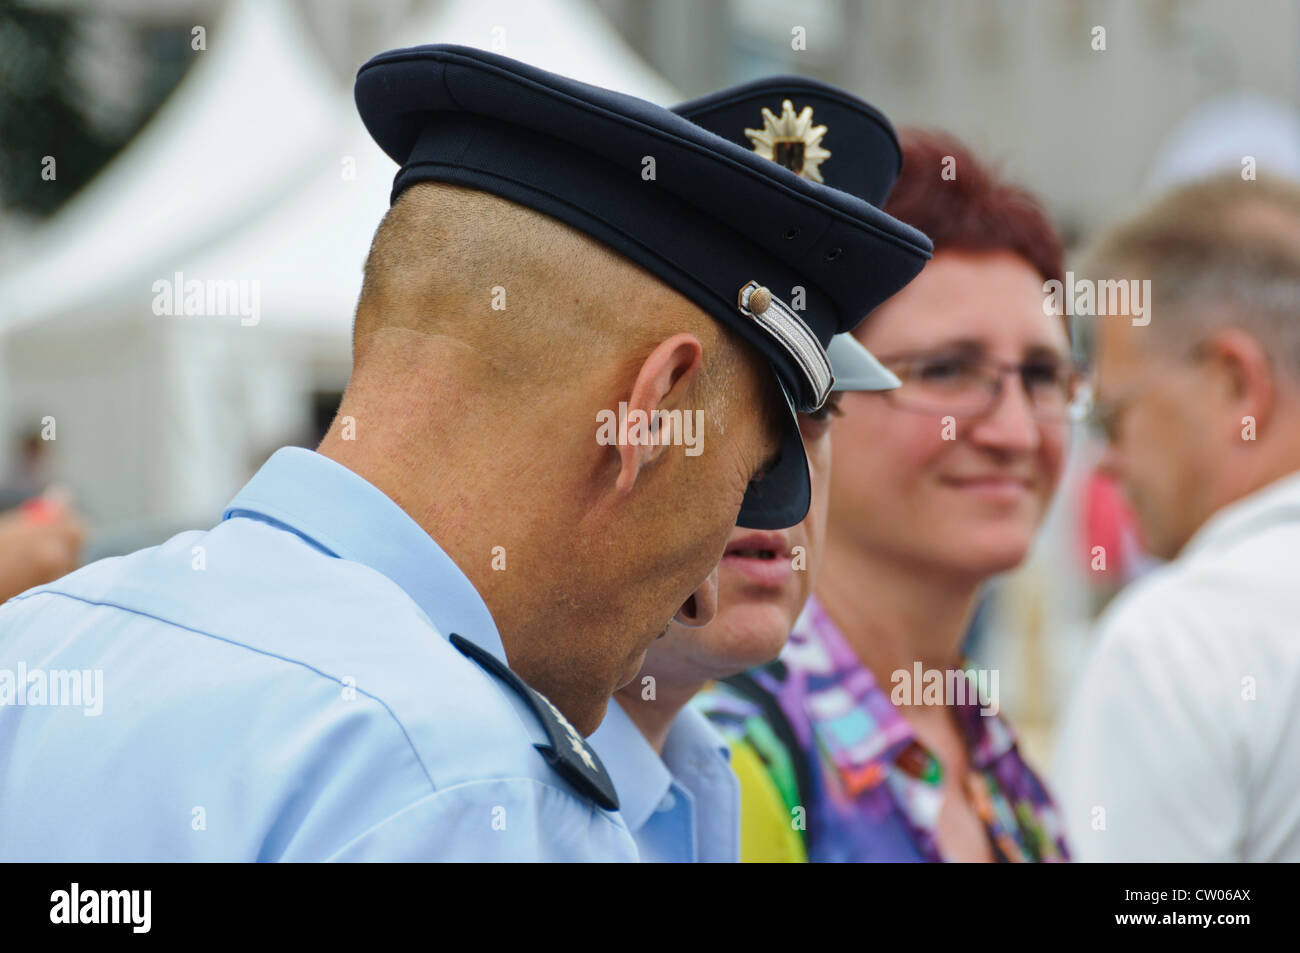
[568, 753]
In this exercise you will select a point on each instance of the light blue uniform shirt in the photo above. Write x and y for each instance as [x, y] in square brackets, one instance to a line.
[280, 687]
[683, 807]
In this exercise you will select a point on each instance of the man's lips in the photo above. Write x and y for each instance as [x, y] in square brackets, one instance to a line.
[763, 558]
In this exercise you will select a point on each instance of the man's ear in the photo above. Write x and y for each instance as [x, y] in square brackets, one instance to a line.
[1246, 372]
[665, 377]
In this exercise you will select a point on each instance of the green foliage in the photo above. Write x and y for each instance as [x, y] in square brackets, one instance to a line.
[42, 109]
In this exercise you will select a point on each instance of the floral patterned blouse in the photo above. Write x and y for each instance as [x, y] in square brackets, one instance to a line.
[848, 774]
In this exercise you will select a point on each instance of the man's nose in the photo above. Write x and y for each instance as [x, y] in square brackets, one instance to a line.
[702, 606]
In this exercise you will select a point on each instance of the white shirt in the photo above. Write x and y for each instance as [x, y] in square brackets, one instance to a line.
[1182, 742]
[683, 807]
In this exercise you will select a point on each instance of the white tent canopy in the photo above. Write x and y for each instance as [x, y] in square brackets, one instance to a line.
[308, 250]
[255, 109]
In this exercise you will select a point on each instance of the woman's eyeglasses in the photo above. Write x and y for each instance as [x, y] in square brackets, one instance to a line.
[968, 385]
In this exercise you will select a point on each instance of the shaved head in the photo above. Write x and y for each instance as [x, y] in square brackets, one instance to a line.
[532, 299]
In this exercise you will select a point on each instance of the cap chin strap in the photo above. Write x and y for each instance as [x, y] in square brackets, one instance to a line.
[779, 320]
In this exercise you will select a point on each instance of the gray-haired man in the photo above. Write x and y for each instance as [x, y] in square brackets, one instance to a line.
[1182, 742]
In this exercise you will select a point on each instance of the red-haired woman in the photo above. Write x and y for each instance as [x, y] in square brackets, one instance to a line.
[871, 743]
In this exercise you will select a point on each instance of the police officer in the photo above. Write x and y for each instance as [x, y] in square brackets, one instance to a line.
[678, 793]
[392, 647]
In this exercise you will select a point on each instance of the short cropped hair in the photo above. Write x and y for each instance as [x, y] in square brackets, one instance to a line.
[1220, 251]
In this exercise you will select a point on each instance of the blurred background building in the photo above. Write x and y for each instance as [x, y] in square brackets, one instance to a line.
[149, 144]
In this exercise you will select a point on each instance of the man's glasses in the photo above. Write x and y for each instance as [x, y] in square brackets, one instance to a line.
[968, 385]
[1105, 416]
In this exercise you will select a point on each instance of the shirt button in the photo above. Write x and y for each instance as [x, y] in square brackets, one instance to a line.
[667, 804]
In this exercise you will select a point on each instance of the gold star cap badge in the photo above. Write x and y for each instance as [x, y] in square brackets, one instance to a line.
[791, 140]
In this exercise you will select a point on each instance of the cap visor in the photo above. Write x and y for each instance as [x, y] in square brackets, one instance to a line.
[856, 368]
[781, 499]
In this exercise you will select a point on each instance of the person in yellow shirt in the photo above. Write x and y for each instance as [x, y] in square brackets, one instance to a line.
[677, 793]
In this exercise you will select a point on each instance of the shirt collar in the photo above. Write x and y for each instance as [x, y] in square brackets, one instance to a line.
[1266, 506]
[640, 776]
[340, 512]
[690, 736]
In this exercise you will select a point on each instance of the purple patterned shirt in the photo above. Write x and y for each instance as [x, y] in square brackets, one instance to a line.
[872, 791]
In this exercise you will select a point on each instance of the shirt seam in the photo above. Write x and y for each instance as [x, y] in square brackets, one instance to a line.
[606, 816]
[220, 638]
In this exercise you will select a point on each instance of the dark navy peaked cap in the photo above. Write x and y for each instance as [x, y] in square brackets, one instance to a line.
[855, 148]
[727, 228]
